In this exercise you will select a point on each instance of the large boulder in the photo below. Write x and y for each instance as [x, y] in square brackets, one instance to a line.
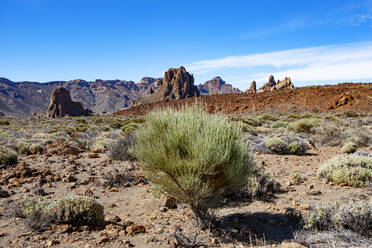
[176, 84]
[252, 89]
[61, 105]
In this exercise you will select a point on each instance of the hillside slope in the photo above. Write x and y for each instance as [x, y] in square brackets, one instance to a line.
[341, 97]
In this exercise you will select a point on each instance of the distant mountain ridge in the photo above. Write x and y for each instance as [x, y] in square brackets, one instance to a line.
[25, 98]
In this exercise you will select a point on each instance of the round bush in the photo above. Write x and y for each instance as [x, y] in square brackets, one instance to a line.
[193, 156]
[8, 156]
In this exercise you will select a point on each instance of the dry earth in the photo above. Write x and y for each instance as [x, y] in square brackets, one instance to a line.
[263, 221]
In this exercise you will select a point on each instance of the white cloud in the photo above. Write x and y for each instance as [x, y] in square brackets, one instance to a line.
[343, 62]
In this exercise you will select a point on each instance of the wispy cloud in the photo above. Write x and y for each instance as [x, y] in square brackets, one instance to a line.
[342, 62]
[288, 26]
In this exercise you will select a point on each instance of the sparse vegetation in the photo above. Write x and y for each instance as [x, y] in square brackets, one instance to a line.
[8, 156]
[4, 123]
[352, 170]
[349, 147]
[354, 216]
[75, 210]
[194, 165]
[285, 145]
[304, 125]
[120, 149]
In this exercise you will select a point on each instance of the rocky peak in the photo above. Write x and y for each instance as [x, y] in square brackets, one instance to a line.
[216, 86]
[252, 88]
[176, 84]
[61, 105]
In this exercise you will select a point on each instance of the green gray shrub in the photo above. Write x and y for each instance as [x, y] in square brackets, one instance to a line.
[349, 147]
[121, 148]
[352, 170]
[193, 156]
[354, 216]
[75, 210]
[304, 125]
[8, 156]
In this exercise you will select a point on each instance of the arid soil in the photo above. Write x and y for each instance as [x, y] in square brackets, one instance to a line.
[135, 218]
[331, 98]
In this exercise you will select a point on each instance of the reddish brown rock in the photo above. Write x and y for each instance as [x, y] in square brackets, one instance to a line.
[61, 105]
[135, 229]
[272, 85]
[168, 202]
[252, 88]
[216, 86]
[177, 84]
[284, 84]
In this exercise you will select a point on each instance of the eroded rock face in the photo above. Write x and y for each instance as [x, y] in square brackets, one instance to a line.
[176, 84]
[61, 105]
[284, 84]
[216, 86]
[252, 88]
[272, 85]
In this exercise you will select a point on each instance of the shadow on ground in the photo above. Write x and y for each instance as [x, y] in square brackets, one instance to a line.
[258, 228]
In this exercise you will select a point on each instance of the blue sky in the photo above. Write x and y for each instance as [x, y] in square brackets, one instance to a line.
[313, 42]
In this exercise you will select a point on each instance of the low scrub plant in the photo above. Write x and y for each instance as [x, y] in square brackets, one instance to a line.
[75, 210]
[354, 216]
[285, 145]
[349, 147]
[352, 170]
[266, 117]
[4, 123]
[120, 149]
[304, 125]
[194, 157]
[8, 156]
[362, 137]
[280, 124]
[329, 134]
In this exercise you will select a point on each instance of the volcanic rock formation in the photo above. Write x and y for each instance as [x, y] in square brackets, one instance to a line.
[176, 84]
[216, 86]
[61, 105]
[272, 85]
[284, 84]
[252, 88]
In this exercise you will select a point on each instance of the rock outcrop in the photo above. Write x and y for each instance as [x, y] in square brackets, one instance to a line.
[252, 88]
[61, 105]
[284, 84]
[176, 84]
[272, 85]
[216, 86]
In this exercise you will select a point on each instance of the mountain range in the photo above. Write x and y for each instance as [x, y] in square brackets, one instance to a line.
[25, 98]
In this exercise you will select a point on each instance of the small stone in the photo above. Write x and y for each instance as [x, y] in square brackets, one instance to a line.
[93, 155]
[114, 189]
[311, 186]
[168, 202]
[112, 205]
[305, 206]
[163, 209]
[135, 229]
[69, 178]
[52, 243]
[4, 193]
